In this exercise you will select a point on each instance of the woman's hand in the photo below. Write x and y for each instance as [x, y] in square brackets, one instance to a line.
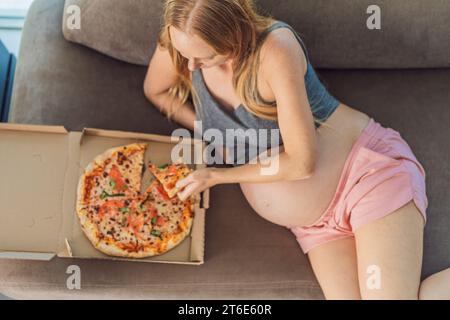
[196, 182]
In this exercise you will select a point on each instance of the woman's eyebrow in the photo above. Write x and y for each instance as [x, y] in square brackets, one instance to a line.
[202, 58]
[209, 57]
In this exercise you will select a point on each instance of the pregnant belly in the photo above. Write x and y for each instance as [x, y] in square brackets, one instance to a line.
[302, 202]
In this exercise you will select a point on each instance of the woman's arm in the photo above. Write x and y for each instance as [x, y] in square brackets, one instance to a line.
[283, 66]
[161, 76]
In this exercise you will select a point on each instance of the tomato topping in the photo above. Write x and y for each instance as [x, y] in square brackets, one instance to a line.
[116, 176]
[128, 247]
[162, 192]
[171, 185]
[130, 220]
[161, 221]
[110, 208]
[135, 224]
[172, 170]
[153, 212]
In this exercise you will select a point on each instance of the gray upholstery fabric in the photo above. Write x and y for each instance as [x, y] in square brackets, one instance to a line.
[62, 83]
[414, 33]
[76, 86]
[126, 30]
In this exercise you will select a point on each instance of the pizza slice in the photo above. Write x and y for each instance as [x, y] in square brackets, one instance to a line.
[123, 168]
[113, 175]
[168, 175]
[173, 219]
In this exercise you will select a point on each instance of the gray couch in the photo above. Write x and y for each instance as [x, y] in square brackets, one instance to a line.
[399, 75]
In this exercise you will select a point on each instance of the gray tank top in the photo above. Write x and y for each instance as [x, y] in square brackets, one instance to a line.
[242, 133]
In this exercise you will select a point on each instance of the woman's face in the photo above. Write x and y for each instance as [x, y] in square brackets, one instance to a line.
[195, 50]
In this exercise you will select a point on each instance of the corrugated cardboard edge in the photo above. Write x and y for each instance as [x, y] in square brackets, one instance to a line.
[198, 229]
[111, 258]
[198, 236]
[67, 253]
[38, 256]
[69, 198]
[68, 248]
[32, 128]
[205, 199]
[136, 135]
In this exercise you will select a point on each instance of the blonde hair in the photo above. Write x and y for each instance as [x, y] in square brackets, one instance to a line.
[239, 24]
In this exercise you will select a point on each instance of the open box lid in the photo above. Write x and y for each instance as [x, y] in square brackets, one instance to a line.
[40, 167]
[33, 161]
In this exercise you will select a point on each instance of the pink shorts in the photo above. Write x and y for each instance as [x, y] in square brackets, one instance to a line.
[380, 175]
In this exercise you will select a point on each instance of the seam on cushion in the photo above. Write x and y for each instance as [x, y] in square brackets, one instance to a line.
[256, 285]
[303, 293]
[169, 290]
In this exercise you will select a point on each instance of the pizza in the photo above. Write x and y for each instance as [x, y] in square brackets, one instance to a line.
[119, 219]
[169, 175]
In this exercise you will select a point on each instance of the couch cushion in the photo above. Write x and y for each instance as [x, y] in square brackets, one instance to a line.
[414, 33]
[58, 82]
[123, 29]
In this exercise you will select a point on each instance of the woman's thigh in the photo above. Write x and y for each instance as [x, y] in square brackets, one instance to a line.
[335, 266]
[389, 252]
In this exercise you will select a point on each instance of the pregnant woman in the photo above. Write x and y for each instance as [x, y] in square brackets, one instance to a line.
[350, 190]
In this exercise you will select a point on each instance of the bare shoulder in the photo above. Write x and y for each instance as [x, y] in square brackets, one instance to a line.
[161, 68]
[281, 49]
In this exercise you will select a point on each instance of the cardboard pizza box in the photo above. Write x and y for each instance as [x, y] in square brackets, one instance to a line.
[40, 167]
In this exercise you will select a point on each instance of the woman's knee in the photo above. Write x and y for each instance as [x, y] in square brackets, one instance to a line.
[436, 286]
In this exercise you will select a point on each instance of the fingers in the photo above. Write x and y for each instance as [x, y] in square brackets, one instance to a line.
[184, 182]
[196, 182]
[187, 191]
